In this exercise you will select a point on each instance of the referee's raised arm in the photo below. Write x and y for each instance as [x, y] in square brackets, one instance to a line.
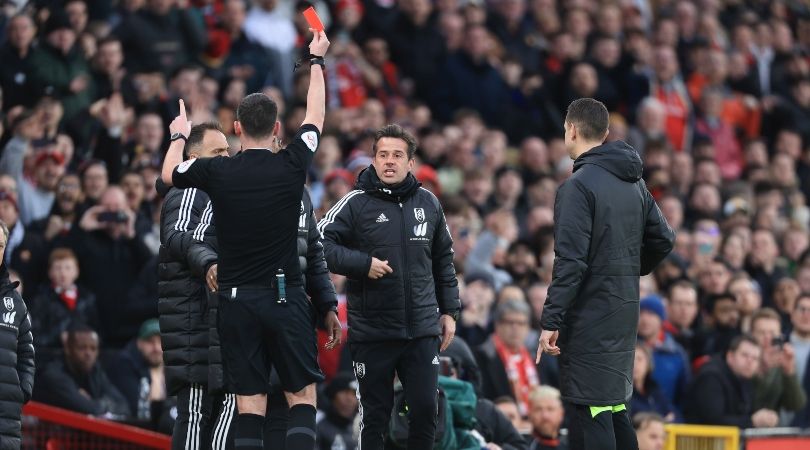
[180, 128]
[316, 95]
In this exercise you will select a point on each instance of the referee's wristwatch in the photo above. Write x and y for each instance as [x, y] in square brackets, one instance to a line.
[177, 136]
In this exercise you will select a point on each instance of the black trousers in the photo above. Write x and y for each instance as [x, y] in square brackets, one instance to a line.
[416, 364]
[192, 428]
[607, 431]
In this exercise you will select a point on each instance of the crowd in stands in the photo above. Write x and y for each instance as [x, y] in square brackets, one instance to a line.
[714, 95]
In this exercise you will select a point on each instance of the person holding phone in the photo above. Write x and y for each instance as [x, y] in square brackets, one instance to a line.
[776, 385]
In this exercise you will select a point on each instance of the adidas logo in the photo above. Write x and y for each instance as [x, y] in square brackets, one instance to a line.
[381, 219]
[435, 360]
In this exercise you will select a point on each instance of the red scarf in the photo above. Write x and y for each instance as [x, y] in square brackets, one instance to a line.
[69, 296]
[520, 370]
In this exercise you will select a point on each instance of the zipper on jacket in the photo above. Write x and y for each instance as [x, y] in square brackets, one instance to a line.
[405, 276]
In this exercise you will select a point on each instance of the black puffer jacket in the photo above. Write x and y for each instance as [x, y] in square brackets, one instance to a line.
[16, 362]
[608, 230]
[186, 218]
[404, 225]
[313, 265]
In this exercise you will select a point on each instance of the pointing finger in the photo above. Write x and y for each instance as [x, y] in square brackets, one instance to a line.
[182, 109]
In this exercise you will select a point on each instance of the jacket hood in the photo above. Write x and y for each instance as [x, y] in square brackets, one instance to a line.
[369, 182]
[617, 157]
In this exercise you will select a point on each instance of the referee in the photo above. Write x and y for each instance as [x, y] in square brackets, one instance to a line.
[263, 308]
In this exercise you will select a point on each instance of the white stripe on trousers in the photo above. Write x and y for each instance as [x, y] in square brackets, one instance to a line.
[360, 411]
[194, 417]
[220, 440]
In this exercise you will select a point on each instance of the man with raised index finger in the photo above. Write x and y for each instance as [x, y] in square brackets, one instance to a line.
[608, 231]
[262, 304]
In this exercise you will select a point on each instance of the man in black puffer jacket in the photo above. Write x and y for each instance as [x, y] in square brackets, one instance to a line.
[187, 218]
[202, 259]
[390, 238]
[608, 231]
[16, 357]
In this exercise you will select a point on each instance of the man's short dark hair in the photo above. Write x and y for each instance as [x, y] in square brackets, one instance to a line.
[714, 299]
[77, 326]
[395, 131]
[802, 296]
[197, 134]
[591, 118]
[739, 340]
[257, 114]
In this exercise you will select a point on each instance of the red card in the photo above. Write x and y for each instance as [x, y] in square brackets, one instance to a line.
[312, 19]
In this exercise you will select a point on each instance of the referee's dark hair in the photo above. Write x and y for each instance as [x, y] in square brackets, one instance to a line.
[257, 114]
[590, 117]
[395, 131]
[197, 134]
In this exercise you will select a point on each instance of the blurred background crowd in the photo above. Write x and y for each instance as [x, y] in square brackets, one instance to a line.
[714, 95]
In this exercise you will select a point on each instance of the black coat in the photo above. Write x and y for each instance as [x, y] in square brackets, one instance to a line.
[608, 231]
[16, 362]
[186, 218]
[718, 397]
[50, 316]
[313, 267]
[111, 268]
[404, 225]
[58, 386]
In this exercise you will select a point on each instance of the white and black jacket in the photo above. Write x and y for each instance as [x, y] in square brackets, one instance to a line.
[186, 218]
[405, 225]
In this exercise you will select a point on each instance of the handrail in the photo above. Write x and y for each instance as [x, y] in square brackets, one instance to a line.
[98, 426]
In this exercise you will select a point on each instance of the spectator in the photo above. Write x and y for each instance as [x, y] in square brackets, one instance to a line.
[670, 366]
[681, 312]
[77, 382]
[722, 391]
[669, 89]
[492, 425]
[509, 409]
[647, 396]
[246, 59]
[762, 264]
[59, 303]
[60, 70]
[749, 301]
[159, 37]
[65, 211]
[471, 71]
[335, 430]
[722, 325]
[776, 386]
[800, 340]
[36, 193]
[506, 364]
[649, 431]
[137, 372]
[17, 73]
[112, 257]
[25, 251]
[546, 415]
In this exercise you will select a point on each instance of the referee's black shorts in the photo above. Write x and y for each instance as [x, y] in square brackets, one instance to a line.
[256, 331]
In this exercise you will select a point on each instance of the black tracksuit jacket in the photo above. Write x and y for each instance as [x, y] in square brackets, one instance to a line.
[405, 225]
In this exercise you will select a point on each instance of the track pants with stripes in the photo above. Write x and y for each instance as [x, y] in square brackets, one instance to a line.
[275, 424]
[192, 428]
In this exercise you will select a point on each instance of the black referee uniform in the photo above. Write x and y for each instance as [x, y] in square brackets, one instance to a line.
[264, 313]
